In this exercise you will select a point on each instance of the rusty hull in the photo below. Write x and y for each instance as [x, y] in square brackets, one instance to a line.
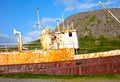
[91, 66]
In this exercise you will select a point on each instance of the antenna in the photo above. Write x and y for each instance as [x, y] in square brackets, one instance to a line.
[109, 12]
[63, 20]
[38, 14]
[39, 26]
[58, 25]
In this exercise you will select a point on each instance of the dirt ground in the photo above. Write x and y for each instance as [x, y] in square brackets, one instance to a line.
[53, 80]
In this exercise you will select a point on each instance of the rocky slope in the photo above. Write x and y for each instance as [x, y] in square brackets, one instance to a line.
[96, 23]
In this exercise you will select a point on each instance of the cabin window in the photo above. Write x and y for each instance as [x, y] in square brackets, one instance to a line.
[70, 34]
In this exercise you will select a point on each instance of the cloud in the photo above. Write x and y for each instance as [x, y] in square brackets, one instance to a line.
[86, 6]
[70, 2]
[10, 40]
[31, 36]
[69, 9]
[71, 5]
[65, 2]
[50, 22]
[7, 40]
[33, 24]
[109, 2]
[46, 20]
[118, 6]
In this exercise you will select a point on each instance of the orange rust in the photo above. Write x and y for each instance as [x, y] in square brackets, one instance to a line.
[37, 57]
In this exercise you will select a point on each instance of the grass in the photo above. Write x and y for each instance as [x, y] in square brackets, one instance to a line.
[38, 76]
[92, 19]
[33, 45]
[90, 44]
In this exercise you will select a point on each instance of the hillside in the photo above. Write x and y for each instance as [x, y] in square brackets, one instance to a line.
[96, 23]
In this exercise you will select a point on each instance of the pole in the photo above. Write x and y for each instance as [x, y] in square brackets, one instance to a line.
[109, 12]
[58, 25]
[63, 21]
[38, 14]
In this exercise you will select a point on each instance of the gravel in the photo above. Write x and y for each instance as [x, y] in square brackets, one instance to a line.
[52, 80]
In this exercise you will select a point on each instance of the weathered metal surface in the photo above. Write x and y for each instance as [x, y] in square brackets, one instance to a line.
[97, 54]
[92, 66]
[36, 56]
[106, 65]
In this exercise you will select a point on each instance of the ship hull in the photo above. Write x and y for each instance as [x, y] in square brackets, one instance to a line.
[90, 66]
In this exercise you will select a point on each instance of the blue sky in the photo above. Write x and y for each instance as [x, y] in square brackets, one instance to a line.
[21, 14]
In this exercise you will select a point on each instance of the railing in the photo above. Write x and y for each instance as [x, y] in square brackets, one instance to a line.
[9, 47]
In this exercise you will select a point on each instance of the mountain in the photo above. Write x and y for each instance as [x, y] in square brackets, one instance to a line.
[96, 23]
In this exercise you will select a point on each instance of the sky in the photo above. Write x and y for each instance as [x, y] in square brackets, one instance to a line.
[22, 15]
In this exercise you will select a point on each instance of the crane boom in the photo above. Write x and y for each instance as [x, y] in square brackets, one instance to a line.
[109, 12]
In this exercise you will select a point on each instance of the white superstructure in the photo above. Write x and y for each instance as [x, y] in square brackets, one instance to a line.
[67, 39]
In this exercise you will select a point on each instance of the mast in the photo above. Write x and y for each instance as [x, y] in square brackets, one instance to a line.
[58, 25]
[63, 20]
[38, 15]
